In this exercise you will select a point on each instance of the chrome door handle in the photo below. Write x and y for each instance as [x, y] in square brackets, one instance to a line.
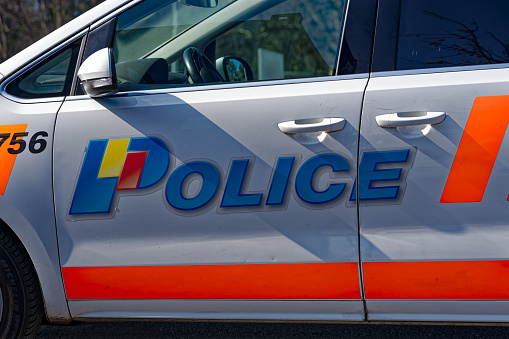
[409, 119]
[312, 125]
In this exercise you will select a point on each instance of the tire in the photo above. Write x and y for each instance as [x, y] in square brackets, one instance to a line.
[21, 307]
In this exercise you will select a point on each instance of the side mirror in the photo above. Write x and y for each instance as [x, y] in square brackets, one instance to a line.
[97, 74]
[199, 3]
[234, 69]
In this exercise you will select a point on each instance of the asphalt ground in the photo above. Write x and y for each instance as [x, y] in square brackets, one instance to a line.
[263, 330]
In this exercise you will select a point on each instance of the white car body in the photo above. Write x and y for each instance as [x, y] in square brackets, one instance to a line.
[281, 235]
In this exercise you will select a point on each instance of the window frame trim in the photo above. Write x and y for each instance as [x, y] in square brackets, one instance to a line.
[349, 26]
[341, 38]
[223, 86]
[440, 70]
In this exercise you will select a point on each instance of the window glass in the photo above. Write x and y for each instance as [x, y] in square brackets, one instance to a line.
[296, 39]
[244, 40]
[153, 23]
[50, 78]
[437, 33]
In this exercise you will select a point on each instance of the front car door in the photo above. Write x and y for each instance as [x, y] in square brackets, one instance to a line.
[179, 199]
[439, 250]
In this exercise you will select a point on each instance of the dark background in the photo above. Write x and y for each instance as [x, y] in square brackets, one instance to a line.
[22, 22]
[187, 330]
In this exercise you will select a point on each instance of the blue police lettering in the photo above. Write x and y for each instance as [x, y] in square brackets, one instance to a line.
[141, 163]
[235, 184]
[371, 177]
[304, 181]
[210, 183]
[280, 179]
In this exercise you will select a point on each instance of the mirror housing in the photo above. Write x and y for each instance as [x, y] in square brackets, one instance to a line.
[234, 69]
[97, 74]
[199, 3]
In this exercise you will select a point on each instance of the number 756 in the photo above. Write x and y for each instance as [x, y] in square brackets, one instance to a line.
[37, 143]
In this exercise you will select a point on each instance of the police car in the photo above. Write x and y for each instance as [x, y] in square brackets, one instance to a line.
[288, 160]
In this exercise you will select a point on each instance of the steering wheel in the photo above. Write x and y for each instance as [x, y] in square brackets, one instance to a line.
[200, 68]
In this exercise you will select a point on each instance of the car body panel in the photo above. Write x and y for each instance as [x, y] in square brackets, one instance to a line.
[26, 202]
[449, 311]
[145, 231]
[220, 310]
[466, 240]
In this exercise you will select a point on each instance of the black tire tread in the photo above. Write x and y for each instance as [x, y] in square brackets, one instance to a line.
[33, 298]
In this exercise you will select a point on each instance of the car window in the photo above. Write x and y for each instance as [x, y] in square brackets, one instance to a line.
[146, 28]
[153, 23]
[244, 40]
[296, 39]
[50, 78]
[437, 33]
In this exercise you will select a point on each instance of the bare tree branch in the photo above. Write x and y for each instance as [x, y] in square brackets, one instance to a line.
[22, 22]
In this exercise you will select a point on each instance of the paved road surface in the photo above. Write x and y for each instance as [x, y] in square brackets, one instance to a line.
[155, 330]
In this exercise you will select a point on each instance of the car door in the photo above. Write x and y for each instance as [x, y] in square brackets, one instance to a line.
[221, 201]
[433, 213]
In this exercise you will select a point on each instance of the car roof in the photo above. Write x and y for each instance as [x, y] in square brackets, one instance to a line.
[58, 36]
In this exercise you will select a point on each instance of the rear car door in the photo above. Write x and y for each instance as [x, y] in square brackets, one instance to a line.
[433, 194]
[176, 199]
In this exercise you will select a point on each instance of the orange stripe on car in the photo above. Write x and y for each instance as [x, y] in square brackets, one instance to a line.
[478, 150]
[455, 280]
[6, 159]
[247, 281]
